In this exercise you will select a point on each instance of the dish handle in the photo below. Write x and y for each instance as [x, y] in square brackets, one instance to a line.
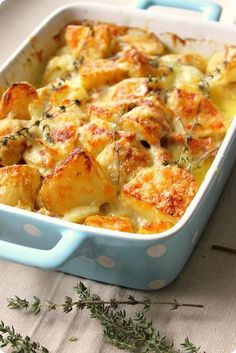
[47, 259]
[211, 11]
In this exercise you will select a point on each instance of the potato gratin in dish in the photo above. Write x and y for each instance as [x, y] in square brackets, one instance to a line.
[120, 133]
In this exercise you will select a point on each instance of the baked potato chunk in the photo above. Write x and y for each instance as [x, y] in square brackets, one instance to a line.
[195, 60]
[109, 112]
[43, 157]
[137, 64]
[122, 158]
[129, 90]
[146, 42]
[148, 122]
[76, 181]
[122, 224]
[90, 43]
[76, 36]
[132, 90]
[51, 147]
[11, 149]
[59, 66]
[221, 67]
[16, 99]
[95, 135]
[161, 193]
[197, 114]
[98, 73]
[19, 185]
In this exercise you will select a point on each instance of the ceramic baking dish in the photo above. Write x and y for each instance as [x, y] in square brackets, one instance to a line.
[130, 260]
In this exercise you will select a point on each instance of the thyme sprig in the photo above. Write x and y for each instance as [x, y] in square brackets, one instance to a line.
[204, 84]
[135, 334]
[196, 163]
[19, 343]
[36, 305]
[184, 158]
[116, 148]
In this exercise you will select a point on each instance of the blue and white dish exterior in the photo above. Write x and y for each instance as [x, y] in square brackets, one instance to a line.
[146, 262]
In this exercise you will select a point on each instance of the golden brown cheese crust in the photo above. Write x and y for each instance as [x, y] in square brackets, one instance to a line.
[154, 227]
[98, 73]
[129, 90]
[146, 42]
[122, 224]
[110, 112]
[148, 121]
[137, 64]
[90, 43]
[198, 114]
[95, 135]
[168, 189]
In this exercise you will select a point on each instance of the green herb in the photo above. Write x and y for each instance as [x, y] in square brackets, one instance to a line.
[62, 108]
[184, 158]
[204, 84]
[155, 62]
[149, 79]
[77, 63]
[36, 306]
[165, 163]
[55, 86]
[135, 334]
[116, 149]
[19, 343]
[197, 163]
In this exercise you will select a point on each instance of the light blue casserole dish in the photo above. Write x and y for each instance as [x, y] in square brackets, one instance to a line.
[131, 260]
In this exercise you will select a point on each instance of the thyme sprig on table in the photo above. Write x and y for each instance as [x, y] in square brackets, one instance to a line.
[135, 334]
[20, 344]
[36, 305]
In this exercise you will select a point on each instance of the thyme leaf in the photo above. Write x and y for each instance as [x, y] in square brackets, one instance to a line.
[155, 62]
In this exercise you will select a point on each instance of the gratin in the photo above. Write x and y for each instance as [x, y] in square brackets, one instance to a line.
[120, 133]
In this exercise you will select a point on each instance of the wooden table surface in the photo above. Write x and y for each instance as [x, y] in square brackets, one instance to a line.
[209, 277]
